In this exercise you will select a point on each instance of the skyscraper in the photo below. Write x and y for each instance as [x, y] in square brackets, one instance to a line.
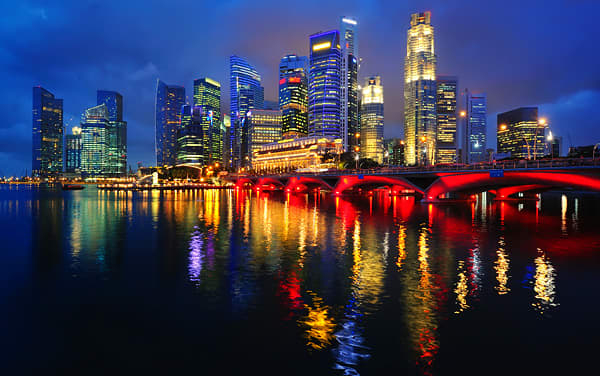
[47, 134]
[207, 97]
[190, 140]
[94, 141]
[420, 125]
[116, 164]
[226, 131]
[169, 99]
[264, 127]
[520, 133]
[324, 85]
[475, 127]
[371, 116]
[246, 94]
[73, 151]
[293, 95]
[349, 87]
[446, 119]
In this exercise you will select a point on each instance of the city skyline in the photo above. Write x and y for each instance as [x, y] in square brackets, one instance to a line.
[569, 113]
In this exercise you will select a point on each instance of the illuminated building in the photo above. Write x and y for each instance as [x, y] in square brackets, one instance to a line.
[169, 99]
[371, 117]
[246, 94]
[475, 127]
[446, 119]
[47, 134]
[73, 151]
[517, 133]
[293, 95]
[324, 85]
[292, 154]
[190, 141]
[420, 123]
[226, 132]
[94, 141]
[264, 128]
[207, 97]
[116, 133]
[349, 108]
[395, 150]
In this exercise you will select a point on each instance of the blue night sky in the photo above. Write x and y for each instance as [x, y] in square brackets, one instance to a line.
[521, 53]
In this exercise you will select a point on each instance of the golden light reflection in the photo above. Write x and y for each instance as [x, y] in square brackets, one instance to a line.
[544, 284]
[462, 289]
[401, 246]
[319, 325]
[501, 266]
[563, 214]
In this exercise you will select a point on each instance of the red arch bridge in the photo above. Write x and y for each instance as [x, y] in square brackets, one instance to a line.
[434, 184]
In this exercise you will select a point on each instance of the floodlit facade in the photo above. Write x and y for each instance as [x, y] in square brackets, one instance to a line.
[447, 93]
[324, 85]
[190, 140]
[264, 128]
[207, 97]
[420, 123]
[293, 95]
[292, 154]
[371, 117]
[475, 127]
[349, 109]
[169, 99]
[116, 133]
[94, 141]
[520, 134]
[47, 134]
[73, 151]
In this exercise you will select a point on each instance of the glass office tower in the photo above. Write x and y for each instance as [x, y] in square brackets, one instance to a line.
[420, 123]
[47, 134]
[169, 99]
[116, 133]
[446, 119]
[293, 95]
[207, 96]
[246, 93]
[349, 88]
[73, 151]
[324, 85]
[94, 141]
[475, 127]
[520, 134]
[371, 117]
[190, 140]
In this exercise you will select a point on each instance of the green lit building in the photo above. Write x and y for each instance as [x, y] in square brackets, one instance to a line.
[190, 140]
[207, 98]
[94, 141]
[116, 133]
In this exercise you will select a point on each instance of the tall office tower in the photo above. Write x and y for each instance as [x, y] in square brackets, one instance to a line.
[520, 133]
[116, 133]
[47, 134]
[94, 141]
[349, 88]
[264, 127]
[73, 151]
[420, 123]
[293, 95]
[395, 149]
[226, 132]
[324, 83]
[371, 116]
[169, 99]
[246, 94]
[475, 127]
[447, 94]
[207, 97]
[190, 140]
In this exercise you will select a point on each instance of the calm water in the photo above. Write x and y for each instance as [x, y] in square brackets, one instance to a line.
[216, 282]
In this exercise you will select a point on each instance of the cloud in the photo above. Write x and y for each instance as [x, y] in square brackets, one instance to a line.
[147, 71]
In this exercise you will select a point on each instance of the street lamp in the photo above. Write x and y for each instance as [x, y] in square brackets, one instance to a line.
[541, 123]
[386, 158]
[424, 153]
[356, 159]
[550, 139]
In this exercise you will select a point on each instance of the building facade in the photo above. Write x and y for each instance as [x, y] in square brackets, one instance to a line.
[395, 152]
[116, 133]
[73, 151]
[47, 134]
[324, 95]
[475, 142]
[207, 97]
[420, 122]
[169, 99]
[446, 98]
[190, 137]
[94, 141]
[371, 117]
[293, 96]
[264, 128]
[519, 133]
[349, 108]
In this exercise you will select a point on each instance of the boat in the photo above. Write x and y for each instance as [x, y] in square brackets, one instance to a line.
[72, 187]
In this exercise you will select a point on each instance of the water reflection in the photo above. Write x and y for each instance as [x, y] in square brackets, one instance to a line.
[544, 284]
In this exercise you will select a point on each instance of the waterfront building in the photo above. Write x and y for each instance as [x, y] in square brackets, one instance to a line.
[190, 141]
[94, 141]
[293, 95]
[264, 128]
[169, 99]
[520, 133]
[420, 123]
[395, 152]
[293, 154]
[47, 134]
[73, 151]
[207, 97]
[371, 115]
[349, 109]
[246, 93]
[446, 98]
[116, 133]
[475, 127]
[324, 85]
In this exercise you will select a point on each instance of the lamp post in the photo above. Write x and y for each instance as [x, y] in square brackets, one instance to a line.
[356, 157]
[386, 158]
[541, 123]
[550, 139]
[465, 152]
[424, 152]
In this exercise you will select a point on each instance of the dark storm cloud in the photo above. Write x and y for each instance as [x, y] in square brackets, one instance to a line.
[519, 52]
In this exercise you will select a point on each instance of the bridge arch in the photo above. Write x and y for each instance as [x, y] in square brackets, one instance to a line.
[352, 181]
[302, 183]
